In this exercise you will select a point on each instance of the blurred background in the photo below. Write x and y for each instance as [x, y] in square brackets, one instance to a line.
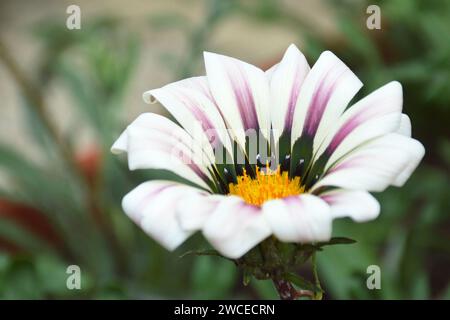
[65, 95]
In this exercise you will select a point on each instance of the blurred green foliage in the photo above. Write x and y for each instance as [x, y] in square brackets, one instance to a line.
[80, 201]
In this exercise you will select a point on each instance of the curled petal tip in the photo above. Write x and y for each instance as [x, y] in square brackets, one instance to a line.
[148, 97]
[397, 86]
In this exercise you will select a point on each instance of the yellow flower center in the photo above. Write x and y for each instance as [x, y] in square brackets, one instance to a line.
[268, 185]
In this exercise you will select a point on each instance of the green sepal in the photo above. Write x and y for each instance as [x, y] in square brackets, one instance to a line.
[247, 277]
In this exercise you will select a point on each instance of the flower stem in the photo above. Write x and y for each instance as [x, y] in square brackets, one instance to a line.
[286, 290]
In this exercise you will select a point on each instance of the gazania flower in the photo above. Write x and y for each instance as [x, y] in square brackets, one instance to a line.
[266, 153]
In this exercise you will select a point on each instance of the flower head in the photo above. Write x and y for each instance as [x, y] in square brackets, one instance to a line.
[266, 153]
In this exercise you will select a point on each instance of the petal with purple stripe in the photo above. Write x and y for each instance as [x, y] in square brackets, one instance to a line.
[188, 102]
[199, 84]
[325, 93]
[285, 83]
[241, 91]
[154, 142]
[377, 114]
[374, 165]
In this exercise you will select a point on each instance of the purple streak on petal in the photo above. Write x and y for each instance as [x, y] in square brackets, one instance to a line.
[354, 162]
[294, 205]
[293, 201]
[198, 84]
[345, 130]
[249, 208]
[344, 165]
[244, 97]
[163, 146]
[200, 116]
[295, 90]
[201, 85]
[194, 167]
[354, 121]
[329, 198]
[320, 99]
[204, 87]
[137, 214]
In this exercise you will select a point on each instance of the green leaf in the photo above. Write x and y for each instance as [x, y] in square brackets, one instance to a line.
[337, 240]
[265, 289]
[212, 278]
[21, 237]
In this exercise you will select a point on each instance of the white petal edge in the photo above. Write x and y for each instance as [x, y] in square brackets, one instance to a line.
[416, 153]
[193, 212]
[121, 144]
[304, 218]
[360, 206]
[154, 142]
[152, 206]
[416, 157]
[235, 227]
[405, 127]
[375, 165]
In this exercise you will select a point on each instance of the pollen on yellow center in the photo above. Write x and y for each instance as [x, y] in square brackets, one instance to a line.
[268, 185]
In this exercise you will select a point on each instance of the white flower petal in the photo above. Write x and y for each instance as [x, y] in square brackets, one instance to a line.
[375, 165]
[121, 144]
[361, 206]
[415, 156]
[155, 142]
[189, 103]
[325, 93]
[377, 114]
[269, 72]
[241, 91]
[304, 218]
[192, 212]
[198, 84]
[405, 126]
[235, 227]
[152, 206]
[285, 83]
[416, 153]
